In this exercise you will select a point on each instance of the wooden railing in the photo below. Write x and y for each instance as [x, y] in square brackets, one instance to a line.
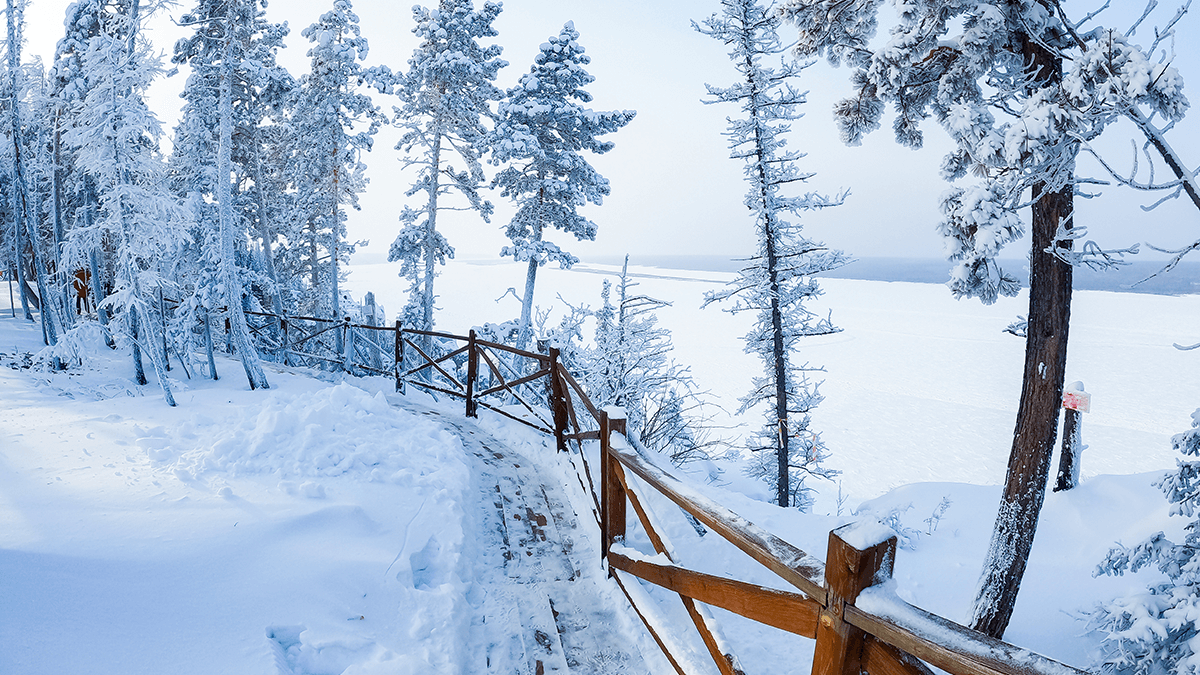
[858, 624]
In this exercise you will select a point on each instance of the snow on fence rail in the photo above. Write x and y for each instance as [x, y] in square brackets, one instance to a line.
[844, 604]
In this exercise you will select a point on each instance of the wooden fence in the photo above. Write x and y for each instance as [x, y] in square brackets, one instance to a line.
[858, 626]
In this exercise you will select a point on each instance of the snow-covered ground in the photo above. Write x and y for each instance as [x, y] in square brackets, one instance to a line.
[329, 526]
[919, 387]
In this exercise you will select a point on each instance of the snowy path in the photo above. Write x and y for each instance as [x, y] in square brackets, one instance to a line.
[545, 605]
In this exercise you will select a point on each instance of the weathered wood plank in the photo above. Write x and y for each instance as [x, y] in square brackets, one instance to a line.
[723, 659]
[430, 361]
[792, 565]
[880, 658]
[584, 436]
[515, 383]
[650, 624]
[927, 635]
[790, 612]
[587, 403]
[431, 387]
[448, 336]
[513, 350]
[848, 570]
[498, 410]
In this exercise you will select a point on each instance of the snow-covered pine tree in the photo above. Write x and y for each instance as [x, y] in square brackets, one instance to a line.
[260, 89]
[69, 86]
[778, 280]
[1020, 91]
[331, 125]
[44, 179]
[217, 148]
[24, 209]
[445, 97]
[542, 129]
[115, 139]
[629, 366]
[1154, 631]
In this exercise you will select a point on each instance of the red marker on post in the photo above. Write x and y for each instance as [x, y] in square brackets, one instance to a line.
[1076, 401]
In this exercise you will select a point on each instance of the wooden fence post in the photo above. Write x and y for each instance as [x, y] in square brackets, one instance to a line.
[472, 370]
[558, 402]
[848, 571]
[612, 493]
[284, 328]
[1072, 445]
[347, 345]
[399, 356]
[162, 311]
[1068, 459]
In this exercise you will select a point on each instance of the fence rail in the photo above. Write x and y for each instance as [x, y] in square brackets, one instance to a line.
[858, 627]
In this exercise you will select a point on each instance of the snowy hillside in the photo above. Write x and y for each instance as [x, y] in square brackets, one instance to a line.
[328, 526]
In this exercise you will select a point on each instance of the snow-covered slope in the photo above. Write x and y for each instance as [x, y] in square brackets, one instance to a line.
[317, 527]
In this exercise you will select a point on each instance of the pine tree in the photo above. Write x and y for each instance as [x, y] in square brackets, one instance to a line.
[630, 366]
[1020, 92]
[1155, 631]
[445, 97]
[778, 280]
[331, 125]
[25, 199]
[220, 136]
[541, 131]
[115, 140]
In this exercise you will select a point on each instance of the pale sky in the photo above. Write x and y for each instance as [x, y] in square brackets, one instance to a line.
[674, 190]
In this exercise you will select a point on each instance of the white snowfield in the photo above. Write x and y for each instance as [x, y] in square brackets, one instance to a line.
[330, 526]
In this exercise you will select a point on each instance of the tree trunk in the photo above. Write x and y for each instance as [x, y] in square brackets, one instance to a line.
[1041, 397]
[430, 254]
[139, 371]
[208, 346]
[19, 265]
[264, 227]
[62, 273]
[240, 332]
[531, 279]
[97, 285]
[779, 357]
[527, 303]
[46, 297]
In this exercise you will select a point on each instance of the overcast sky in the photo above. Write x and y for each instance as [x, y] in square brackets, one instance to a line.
[674, 190]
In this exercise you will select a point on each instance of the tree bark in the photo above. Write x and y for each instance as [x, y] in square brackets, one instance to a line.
[240, 332]
[430, 252]
[1041, 394]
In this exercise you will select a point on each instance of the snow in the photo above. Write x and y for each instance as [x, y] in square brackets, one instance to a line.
[865, 533]
[332, 526]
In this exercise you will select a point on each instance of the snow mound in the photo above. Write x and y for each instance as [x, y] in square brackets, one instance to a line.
[335, 431]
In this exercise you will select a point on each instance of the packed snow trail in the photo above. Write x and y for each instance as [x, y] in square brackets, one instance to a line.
[544, 604]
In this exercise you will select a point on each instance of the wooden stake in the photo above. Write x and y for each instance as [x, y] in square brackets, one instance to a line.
[847, 572]
[558, 402]
[472, 371]
[1072, 451]
[399, 356]
[612, 493]
[283, 326]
